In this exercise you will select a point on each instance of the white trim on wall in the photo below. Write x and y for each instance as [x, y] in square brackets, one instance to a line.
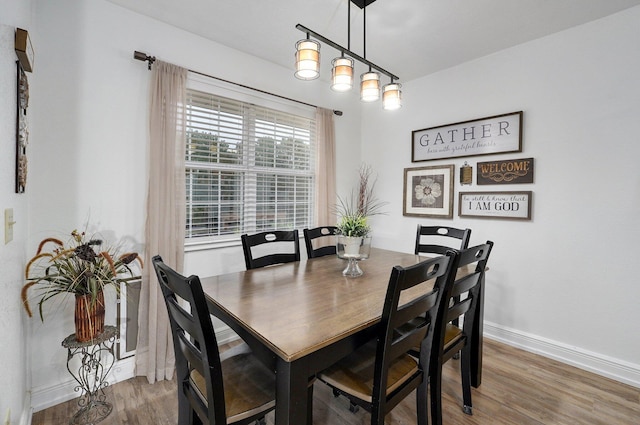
[599, 364]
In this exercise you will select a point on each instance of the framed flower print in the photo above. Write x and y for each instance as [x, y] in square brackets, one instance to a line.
[428, 191]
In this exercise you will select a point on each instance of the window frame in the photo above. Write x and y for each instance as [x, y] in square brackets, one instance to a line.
[262, 99]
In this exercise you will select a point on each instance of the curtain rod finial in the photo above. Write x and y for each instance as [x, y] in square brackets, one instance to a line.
[144, 57]
[338, 113]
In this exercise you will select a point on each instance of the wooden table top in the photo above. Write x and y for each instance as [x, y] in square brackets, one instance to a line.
[298, 308]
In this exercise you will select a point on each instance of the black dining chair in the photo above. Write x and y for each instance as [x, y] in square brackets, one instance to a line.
[273, 247]
[380, 374]
[450, 339]
[213, 388]
[323, 238]
[438, 239]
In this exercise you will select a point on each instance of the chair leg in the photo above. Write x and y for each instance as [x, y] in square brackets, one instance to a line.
[261, 421]
[377, 416]
[465, 375]
[422, 403]
[435, 388]
[185, 413]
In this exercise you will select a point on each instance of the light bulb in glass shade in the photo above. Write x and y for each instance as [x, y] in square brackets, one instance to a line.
[370, 86]
[342, 74]
[307, 59]
[392, 96]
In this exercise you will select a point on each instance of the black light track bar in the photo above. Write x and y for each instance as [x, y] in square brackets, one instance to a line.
[346, 51]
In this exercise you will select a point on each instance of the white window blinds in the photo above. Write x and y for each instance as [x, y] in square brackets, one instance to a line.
[249, 168]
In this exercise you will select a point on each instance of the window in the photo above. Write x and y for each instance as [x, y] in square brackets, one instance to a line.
[249, 168]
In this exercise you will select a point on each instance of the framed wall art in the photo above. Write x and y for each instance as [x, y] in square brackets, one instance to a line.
[512, 171]
[483, 136]
[428, 191]
[510, 205]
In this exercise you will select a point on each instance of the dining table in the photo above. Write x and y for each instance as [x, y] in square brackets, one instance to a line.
[301, 317]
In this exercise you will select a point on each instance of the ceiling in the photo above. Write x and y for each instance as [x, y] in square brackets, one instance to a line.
[409, 38]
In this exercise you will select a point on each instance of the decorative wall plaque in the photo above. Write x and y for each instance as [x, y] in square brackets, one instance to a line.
[483, 136]
[511, 205]
[505, 172]
[22, 129]
[428, 191]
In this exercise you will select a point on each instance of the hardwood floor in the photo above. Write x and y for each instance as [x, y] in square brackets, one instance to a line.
[518, 388]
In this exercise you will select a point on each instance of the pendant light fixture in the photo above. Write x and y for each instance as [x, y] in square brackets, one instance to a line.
[369, 81]
[308, 65]
[342, 67]
[370, 86]
[307, 59]
[342, 74]
[392, 96]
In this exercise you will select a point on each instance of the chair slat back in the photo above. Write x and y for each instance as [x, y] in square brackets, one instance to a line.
[442, 234]
[410, 324]
[277, 238]
[453, 305]
[194, 338]
[325, 234]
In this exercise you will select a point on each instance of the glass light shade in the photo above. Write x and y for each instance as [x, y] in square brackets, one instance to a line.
[342, 74]
[370, 87]
[392, 96]
[307, 59]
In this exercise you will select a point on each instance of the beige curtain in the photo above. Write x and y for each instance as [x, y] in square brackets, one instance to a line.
[164, 233]
[326, 166]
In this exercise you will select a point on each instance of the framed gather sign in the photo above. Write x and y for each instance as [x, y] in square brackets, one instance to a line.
[511, 205]
[483, 136]
[428, 191]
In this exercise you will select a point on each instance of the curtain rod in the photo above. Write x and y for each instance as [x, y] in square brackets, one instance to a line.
[151, 59]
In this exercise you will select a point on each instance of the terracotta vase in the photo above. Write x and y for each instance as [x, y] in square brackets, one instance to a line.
[89, 317]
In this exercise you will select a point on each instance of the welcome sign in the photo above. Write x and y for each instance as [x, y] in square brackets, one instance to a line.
[505, 172]
[484, 136]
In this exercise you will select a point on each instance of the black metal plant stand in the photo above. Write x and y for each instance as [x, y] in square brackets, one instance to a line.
[97, 359]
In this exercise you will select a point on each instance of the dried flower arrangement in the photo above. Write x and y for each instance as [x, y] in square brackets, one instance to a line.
[355, 210]
[76, 269]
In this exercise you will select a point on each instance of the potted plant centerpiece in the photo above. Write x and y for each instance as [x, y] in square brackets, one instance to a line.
[80, 268]
[353, 229]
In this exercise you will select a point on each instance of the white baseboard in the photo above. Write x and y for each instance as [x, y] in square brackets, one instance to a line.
[609, 367]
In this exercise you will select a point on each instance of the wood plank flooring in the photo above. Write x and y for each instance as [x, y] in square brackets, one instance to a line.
[518, 388]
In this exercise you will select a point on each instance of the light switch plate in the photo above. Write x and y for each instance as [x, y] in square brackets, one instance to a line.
[8, 225]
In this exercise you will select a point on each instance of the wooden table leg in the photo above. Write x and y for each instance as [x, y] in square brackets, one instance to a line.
[291, 392]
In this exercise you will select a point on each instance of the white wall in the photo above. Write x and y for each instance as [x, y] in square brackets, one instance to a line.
[88, 161]
[14, 393]
[564, 282]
